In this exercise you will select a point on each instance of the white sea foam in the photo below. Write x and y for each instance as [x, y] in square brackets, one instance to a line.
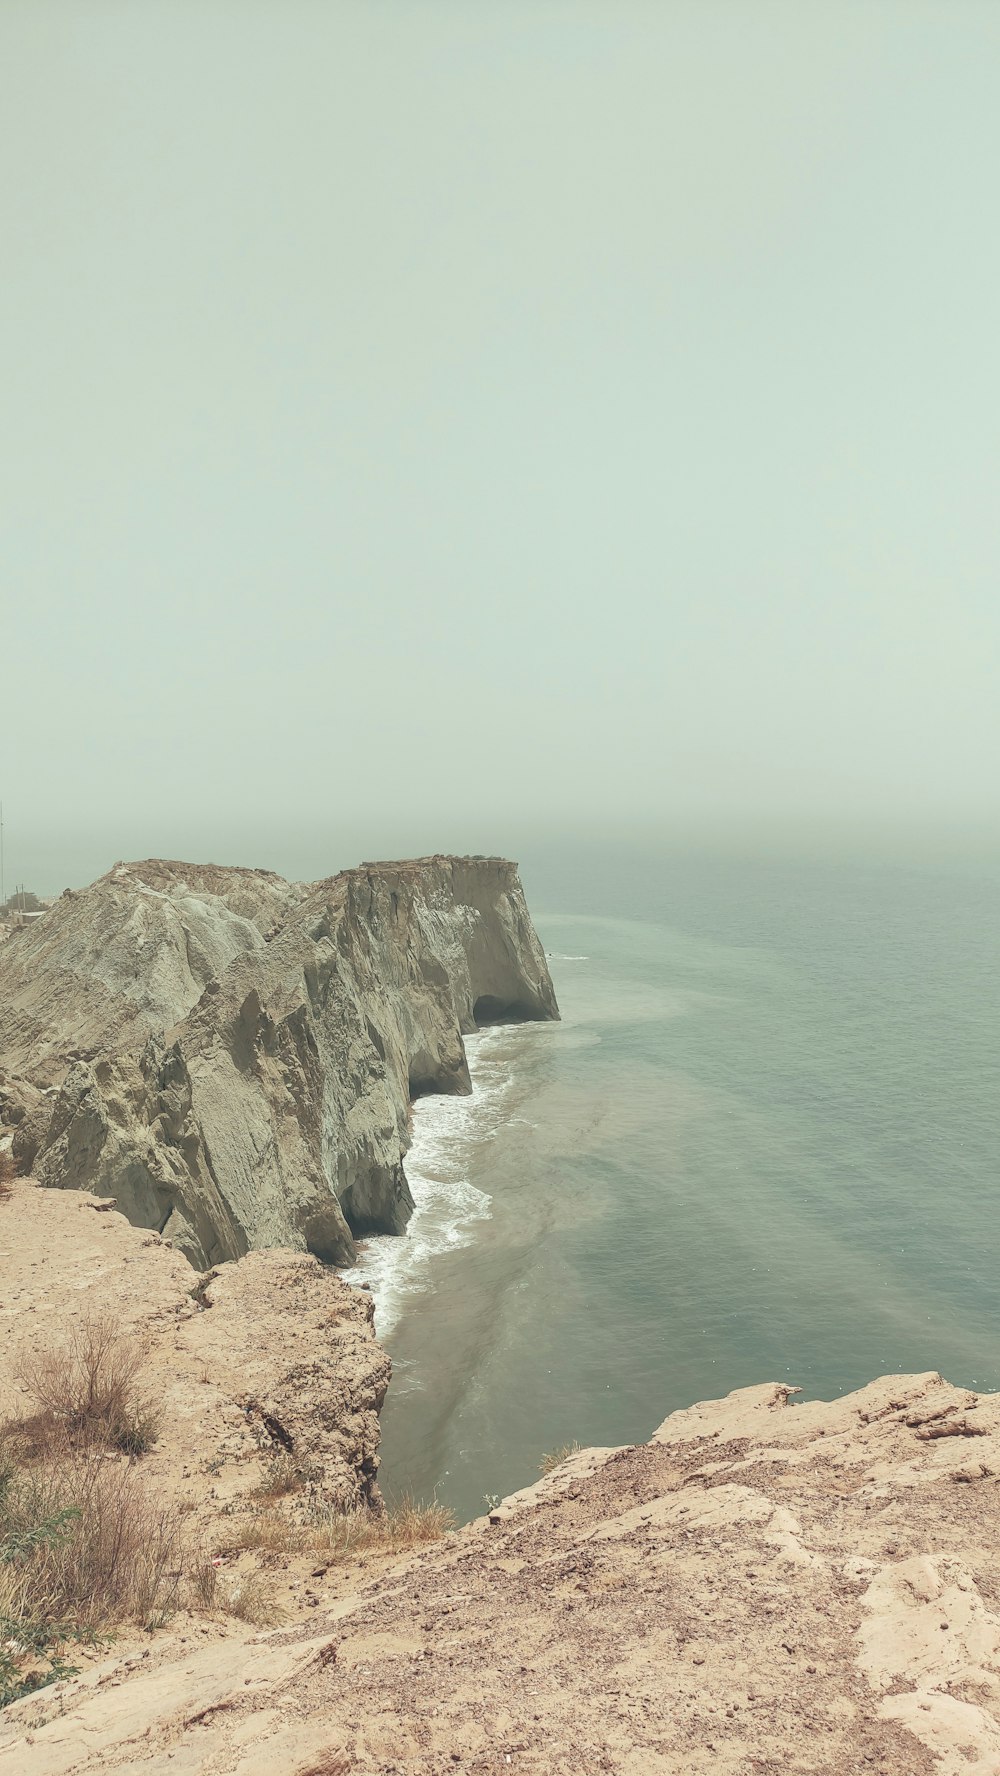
[557, 956]
[446, 1205]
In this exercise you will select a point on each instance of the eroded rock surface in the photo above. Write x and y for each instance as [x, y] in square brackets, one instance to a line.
[268, 1357]
[232, 1057]
[762, 1588]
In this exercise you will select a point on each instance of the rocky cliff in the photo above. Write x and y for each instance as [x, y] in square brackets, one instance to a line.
[761, 1589]
[232, 1057]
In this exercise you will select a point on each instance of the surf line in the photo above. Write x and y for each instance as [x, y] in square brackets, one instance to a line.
[446, 1129]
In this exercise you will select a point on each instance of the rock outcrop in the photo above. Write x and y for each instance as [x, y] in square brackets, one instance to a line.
[268, 1359]
[762, 1589]
[232, 1057]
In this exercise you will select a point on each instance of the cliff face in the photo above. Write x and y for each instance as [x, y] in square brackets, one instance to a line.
[232, 1057]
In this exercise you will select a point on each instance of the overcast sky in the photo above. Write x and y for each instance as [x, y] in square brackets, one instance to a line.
[420, 419]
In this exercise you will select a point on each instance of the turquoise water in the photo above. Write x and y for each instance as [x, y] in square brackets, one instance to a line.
[764, 1143]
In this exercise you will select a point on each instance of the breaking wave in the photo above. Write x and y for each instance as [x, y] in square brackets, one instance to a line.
[446, 1131]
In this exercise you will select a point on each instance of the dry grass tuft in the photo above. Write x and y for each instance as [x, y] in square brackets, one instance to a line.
[89, 1388]
[282, 1475]
[8, 1172]
[410, 1524]
[248, 1596]
[81, 1546]
[555, 1456]
[251, 1598]
[203, 1582]
[336, 1535]
[113, 1549]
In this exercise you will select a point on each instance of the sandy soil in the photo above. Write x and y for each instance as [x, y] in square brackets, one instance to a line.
[762, 1588]
[272, 1347]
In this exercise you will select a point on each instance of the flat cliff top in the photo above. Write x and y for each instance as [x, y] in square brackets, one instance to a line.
[762, 1588]
[130, 955]
[435, 860]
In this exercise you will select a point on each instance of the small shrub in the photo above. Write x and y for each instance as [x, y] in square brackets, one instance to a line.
[89, 1387]
[555, 1456]
[115, 1556]
[8, 1172]
[137, 1430]
[81, 1547]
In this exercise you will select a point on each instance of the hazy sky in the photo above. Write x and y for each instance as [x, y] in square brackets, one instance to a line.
[420, 419]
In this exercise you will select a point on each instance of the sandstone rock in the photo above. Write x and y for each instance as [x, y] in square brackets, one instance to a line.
[762, 1588]
[232, 1057]
[270, 1355]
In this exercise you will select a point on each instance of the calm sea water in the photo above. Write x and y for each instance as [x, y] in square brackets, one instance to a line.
[763, 1144]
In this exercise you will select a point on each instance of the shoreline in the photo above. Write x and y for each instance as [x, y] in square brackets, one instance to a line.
[447, 1204]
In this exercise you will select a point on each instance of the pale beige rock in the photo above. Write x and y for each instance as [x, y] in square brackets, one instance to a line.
[272, 1343]
[233, 1057]
[763, 1588]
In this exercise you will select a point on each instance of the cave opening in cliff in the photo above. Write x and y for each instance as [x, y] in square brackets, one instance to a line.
[430, 1085]
[489, 1010]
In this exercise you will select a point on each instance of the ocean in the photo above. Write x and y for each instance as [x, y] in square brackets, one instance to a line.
[762, 1145]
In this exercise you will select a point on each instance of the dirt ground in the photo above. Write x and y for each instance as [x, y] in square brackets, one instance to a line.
[269, 1351]
[764, 1588]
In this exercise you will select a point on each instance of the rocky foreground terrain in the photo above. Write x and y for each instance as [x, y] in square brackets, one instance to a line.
[232, 1057]
[763, 1587]
[243, 1364]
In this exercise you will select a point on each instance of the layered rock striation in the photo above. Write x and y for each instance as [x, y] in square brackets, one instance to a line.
[232, 1057]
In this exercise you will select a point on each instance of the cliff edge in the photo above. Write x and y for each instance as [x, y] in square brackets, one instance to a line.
[762, 1589]
[232, 1057]
[271, 1354]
